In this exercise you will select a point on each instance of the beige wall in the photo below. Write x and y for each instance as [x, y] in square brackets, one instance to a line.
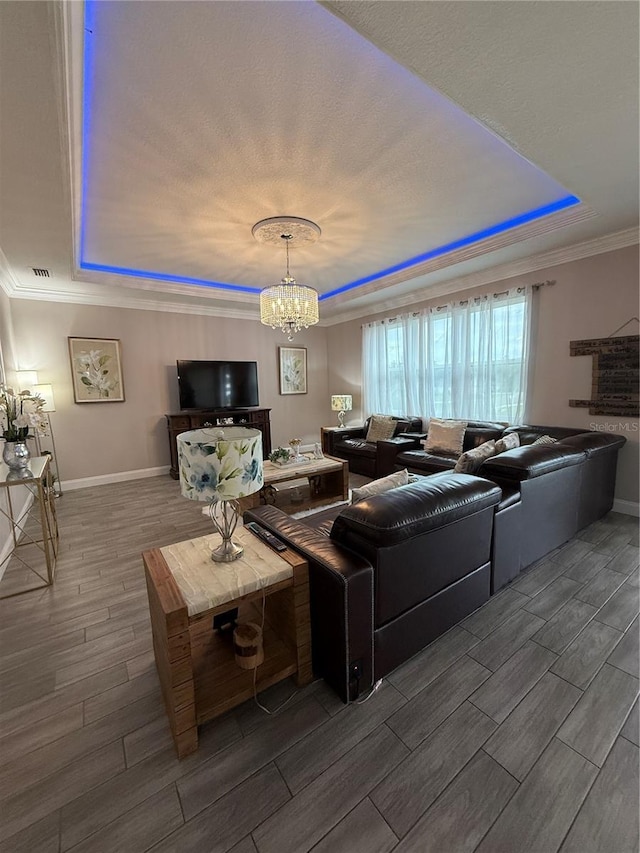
[6, 334]
[96, 439]
[591, 299]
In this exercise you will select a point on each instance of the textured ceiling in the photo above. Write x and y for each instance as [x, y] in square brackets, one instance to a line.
[397, 127]
[189, 147]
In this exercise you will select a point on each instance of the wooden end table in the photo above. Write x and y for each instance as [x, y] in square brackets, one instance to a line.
[327, 435]
[196, 665]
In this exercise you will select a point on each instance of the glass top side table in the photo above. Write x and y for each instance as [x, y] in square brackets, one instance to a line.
[29, 527]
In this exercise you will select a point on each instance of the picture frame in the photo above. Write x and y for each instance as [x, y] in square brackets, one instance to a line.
[292, 370]
[96, 370]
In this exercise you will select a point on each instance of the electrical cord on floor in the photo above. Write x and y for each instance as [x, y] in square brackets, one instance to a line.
[373, 690]
[277, 710]
[255, 671]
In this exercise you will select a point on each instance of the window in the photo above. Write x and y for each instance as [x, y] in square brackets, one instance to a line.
[463, 360]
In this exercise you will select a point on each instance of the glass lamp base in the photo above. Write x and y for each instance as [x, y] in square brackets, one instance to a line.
[341, 420]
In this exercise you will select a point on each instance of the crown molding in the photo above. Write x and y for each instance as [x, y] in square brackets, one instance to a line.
[548, 224]
[8, 281]
[533, 263]
[124, 301]
[150, 284]
[566, 254]
[552, 222]
[139, 294]
[68, 46]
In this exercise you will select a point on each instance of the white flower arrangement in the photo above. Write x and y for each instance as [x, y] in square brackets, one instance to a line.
[20, 412]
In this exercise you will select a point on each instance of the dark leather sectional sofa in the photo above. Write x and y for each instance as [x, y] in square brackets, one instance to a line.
[394, 572]
[390, 574]
[351, 444]
[549, 492]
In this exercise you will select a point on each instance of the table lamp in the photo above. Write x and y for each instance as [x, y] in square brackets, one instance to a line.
[27, 379]
[221, 465]
[341, 403]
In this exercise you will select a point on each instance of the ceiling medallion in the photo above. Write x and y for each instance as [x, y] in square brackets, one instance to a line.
[288, 306]
[301, 231]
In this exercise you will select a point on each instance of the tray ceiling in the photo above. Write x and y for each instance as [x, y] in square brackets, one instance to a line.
[201, 118]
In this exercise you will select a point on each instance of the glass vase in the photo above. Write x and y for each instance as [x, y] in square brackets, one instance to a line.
[16, 455]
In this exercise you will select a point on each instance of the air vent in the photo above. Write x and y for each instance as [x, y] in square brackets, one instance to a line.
[41, 272]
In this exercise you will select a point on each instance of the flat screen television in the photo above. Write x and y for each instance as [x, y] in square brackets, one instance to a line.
[218, 384]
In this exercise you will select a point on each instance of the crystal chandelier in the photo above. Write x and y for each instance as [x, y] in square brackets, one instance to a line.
[288, 306]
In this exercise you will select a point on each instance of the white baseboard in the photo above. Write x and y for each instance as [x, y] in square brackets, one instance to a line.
[120, 477]
[626, 507]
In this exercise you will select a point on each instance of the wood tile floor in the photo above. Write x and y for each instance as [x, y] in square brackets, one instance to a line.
[515, 731]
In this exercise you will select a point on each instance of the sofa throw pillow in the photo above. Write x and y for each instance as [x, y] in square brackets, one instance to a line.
[445, 436]
[545, 439]
[377, 487]
[381, 427]
[508, 442]
[471, 460]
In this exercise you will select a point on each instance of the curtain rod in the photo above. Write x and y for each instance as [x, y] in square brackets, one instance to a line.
[535, 287]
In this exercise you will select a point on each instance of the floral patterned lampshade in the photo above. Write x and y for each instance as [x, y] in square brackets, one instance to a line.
[341, 403]
[221, 465]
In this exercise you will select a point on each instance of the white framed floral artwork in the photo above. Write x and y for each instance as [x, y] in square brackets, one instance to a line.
[293, 370]
[96, 368]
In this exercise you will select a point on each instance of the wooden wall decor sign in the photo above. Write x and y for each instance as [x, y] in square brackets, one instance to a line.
[614, 386]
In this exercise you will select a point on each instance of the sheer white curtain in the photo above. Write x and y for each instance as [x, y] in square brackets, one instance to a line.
[462, 360]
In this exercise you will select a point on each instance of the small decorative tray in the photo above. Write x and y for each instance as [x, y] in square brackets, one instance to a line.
[301, 460]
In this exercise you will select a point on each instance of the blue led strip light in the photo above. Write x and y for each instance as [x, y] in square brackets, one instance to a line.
[477, 237]
[89, 72]
[87, 88]
[159, 276]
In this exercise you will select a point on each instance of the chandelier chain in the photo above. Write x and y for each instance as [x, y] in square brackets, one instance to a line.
[286, 238]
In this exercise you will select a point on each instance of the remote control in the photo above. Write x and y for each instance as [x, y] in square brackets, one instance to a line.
[266, 536]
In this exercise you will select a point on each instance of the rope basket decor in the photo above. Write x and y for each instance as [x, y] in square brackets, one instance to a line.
[247, 645]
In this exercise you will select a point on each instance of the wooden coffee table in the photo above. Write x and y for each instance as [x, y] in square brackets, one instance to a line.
[328, 482]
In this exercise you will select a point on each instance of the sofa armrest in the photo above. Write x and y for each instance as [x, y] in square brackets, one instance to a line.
[341, 595]
[414, 436]
[413, 425]
[528, 433]
[594, 443]
[333, 436]
[387, 452]
[529, 461]
[350, 432]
